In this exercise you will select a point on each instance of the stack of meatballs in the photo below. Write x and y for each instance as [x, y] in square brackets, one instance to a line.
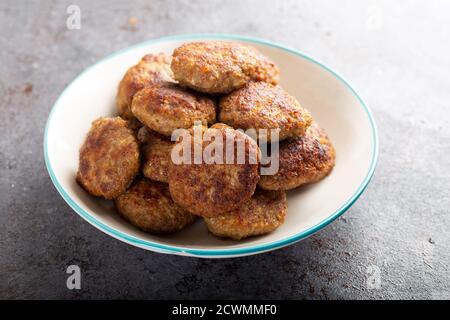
[225, 86]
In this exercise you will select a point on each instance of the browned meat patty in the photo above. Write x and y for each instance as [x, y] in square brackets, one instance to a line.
[152, 69]
[263, 213]
[109, 158]
[148, 206]
[260, 105]
[155, 150]
[164, 108]
[134, 124]
[209, 189]
[220, 67]
[302, 160]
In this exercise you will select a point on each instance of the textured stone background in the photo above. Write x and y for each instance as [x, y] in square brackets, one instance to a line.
[396, 53]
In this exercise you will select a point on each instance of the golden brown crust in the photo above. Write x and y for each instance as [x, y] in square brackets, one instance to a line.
[211, 189]
[302, 160]
[151, 69]
[109, 158]
[148, 206]
[155, 150]
[260, 105]
[164, 108]
[220, 66]
[263, 213]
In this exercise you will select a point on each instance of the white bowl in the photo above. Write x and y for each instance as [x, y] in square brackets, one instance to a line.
[331, 100]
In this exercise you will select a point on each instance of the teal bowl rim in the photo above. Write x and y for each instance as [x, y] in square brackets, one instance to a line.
[217, 252]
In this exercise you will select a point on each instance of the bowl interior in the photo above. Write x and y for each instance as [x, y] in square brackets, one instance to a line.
[334, 105]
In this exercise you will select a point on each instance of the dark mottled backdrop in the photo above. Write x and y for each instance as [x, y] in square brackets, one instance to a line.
[395, 53]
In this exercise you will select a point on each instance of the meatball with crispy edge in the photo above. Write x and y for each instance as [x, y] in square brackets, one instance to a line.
[302, 160]
[262, 214]
[151, 69]
[109, 158]
[164, 108]
[219, 67]
[148, 206]
[155, 151]
[209, 189]
[260, 105]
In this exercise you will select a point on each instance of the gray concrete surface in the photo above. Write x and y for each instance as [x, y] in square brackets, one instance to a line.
[396, 53]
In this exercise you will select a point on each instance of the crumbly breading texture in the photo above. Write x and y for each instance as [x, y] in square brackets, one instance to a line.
[155, 150]
[263, 213]
[219, 67]
[151, 69]
[302, 160]
[148, 206]
[109, 158]
[260, 105]
[210, 189]
[164, 108]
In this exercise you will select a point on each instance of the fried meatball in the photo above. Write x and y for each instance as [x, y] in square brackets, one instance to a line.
[220, 67]
[109, 158]
[148, 206]
[260, 105]
[210, 188]
[264, 213]
[155, 150]
[302, 160]
[164, 108]
[153, 68]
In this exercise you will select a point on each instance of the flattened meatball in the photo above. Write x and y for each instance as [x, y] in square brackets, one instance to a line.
[260, 105]
[164, 108]
[155, 150]
[152, 69]
[302, 160]
[211, 188]
[109, 158]
[220, 66]
[263, 213]
[148, 206]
